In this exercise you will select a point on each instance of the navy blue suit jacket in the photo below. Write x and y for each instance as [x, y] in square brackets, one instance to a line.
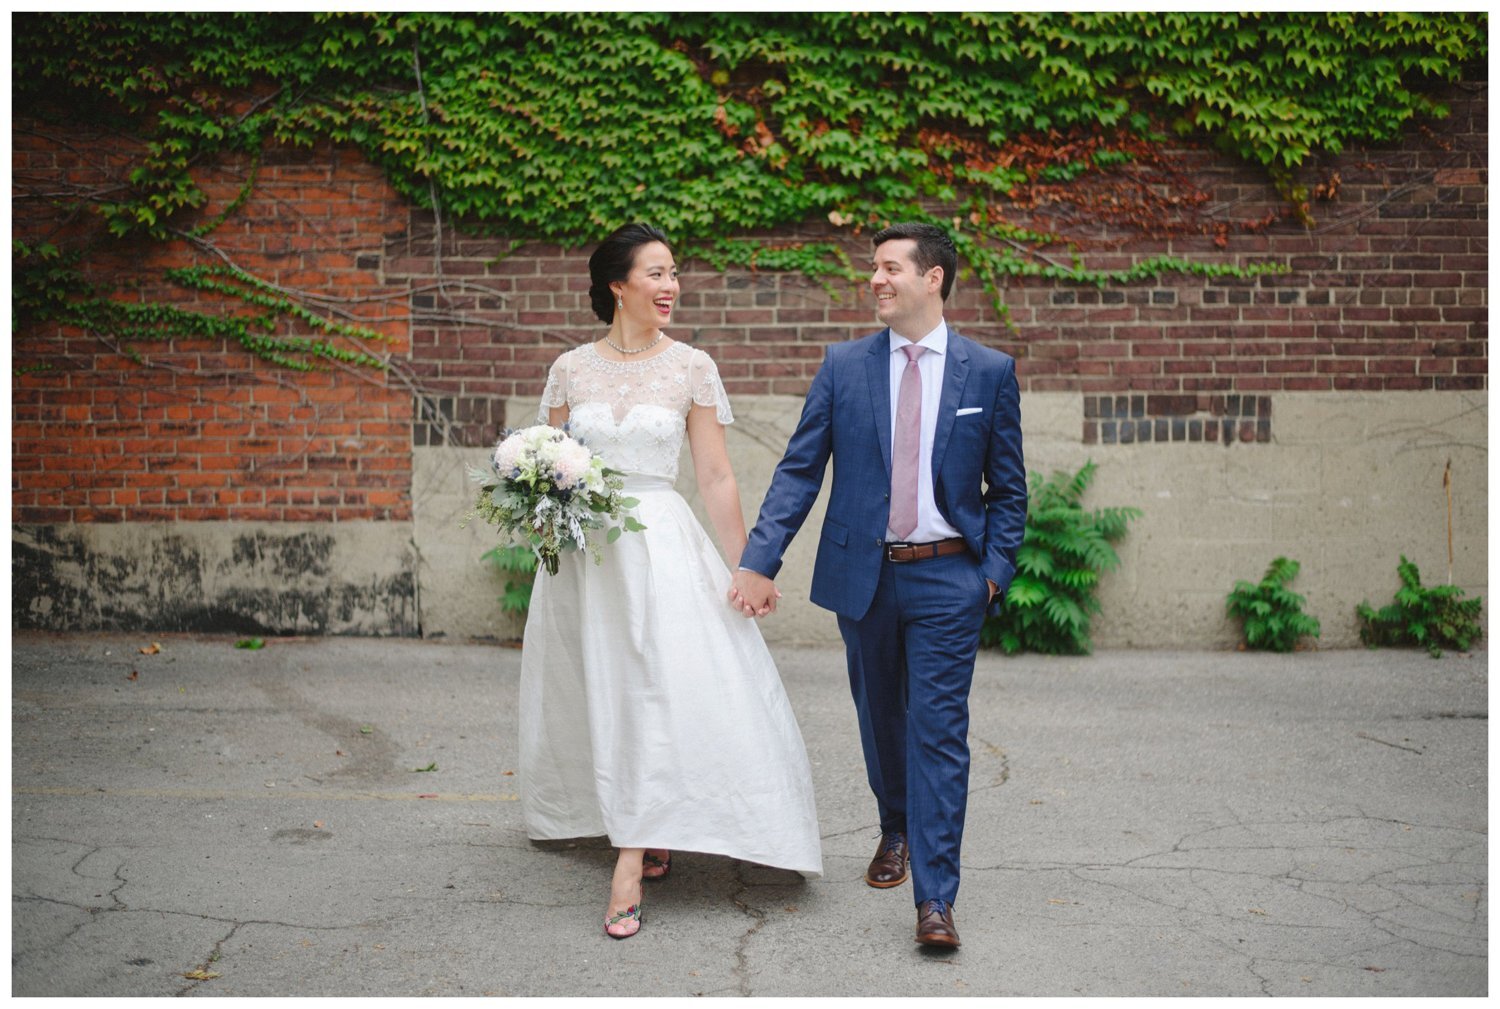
[979, 475]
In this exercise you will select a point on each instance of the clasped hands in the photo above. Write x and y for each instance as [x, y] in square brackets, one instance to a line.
[753, 594]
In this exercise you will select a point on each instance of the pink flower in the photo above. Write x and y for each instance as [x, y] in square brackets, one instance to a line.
[572, 464]
[508, 454]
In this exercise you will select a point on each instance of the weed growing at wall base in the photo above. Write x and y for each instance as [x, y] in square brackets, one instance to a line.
[1051, 600]
[1271, 612]
[1435, 618]
[517, 564]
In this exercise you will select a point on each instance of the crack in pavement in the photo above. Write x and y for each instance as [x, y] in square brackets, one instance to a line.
[39, 898]
[1180, 846]
[1394, 746]
[1372, 955]
[70, 933]
[203, 971]
[1404, 895]
[76, 869]
[214, 954]
[1003, 777]
[1002, 758]
[741, 968]
[120, 907]
[114, 894]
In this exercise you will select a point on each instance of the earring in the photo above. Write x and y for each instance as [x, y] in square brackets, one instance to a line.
[620, 302]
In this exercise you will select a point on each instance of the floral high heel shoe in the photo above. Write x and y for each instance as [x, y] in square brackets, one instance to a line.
[624, 924]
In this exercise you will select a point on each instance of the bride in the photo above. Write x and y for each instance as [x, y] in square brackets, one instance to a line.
[651, 712]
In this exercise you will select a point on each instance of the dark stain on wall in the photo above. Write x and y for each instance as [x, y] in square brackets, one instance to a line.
[297, 555]
[263, 583]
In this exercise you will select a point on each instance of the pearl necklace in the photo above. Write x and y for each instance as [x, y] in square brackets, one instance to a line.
[639, 350]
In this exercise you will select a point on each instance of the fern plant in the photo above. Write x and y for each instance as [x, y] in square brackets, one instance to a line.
[1271, 612]
[518, 565]
[1051, 599]
[1434, 618]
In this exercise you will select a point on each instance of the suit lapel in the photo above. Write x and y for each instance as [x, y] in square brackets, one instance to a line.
[878, 370]
[955, 369]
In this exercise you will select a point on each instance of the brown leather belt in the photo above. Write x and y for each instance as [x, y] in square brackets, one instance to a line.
[902, 553]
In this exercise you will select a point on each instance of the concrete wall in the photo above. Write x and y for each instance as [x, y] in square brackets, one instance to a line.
[460, 590]
[1349, 483]
[236, 577]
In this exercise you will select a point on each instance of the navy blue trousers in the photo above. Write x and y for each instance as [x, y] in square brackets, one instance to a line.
[911, 662]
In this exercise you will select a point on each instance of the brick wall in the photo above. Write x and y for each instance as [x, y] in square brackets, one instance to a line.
[200, 429]
[1387, 293]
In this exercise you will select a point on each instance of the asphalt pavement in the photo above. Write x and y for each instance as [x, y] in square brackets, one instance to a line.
[339, 816]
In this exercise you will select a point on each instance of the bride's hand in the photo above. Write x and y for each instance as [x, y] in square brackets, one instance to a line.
[753, 594]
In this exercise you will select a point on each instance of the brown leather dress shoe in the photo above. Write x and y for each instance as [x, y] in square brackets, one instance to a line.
[889, 867]
[935, 924]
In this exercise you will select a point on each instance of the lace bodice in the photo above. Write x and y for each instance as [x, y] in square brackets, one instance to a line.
[634, 413]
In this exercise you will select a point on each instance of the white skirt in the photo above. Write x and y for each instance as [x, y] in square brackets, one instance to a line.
[651, 711]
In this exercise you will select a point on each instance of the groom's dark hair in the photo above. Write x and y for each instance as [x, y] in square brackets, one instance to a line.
[934, 248]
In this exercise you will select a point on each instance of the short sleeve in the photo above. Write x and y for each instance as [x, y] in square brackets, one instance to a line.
[556, 392]
[708, 389]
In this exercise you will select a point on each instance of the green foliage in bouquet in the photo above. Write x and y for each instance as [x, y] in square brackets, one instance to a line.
[518, 565]
[1066, 549]
[544, 487]
[1434, 618]
[1271, 612]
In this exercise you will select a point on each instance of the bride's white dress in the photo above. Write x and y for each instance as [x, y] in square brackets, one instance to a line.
[651, 711]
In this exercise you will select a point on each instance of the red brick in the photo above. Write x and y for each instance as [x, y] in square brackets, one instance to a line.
[1093, 348]
[1300, 383]
[1390, 302]
[1459, 382]
[1157, 349]
[1407, 382]
[1136, 367]
[1250, 383]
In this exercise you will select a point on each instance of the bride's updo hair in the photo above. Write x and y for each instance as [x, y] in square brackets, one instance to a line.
[612, 261]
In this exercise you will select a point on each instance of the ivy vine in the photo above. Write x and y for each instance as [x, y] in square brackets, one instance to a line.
[48, 286]
[1022, 131]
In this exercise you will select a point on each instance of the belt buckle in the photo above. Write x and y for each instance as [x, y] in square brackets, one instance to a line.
[890, 555]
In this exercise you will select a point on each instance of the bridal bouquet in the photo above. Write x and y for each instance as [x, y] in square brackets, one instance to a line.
[548, 489]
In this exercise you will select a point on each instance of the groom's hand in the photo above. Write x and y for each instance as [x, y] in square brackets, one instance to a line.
[753, 594]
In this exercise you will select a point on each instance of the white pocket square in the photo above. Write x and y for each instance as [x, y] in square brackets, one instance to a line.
[965, 411]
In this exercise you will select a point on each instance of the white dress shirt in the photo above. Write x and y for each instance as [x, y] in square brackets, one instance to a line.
[931, 525]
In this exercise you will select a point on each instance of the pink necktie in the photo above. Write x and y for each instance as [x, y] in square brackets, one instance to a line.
[906, 452]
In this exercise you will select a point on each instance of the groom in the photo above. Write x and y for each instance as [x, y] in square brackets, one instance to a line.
[927, 509]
